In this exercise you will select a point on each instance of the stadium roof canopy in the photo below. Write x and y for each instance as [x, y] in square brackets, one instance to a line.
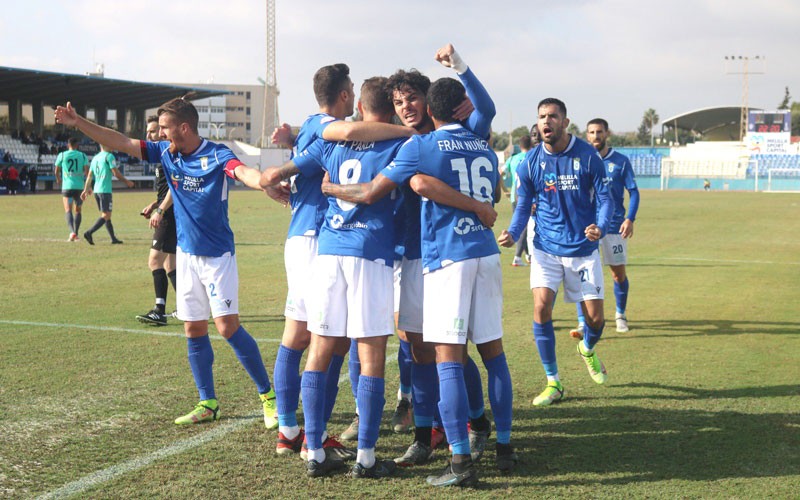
[713, 124]
[27, 85]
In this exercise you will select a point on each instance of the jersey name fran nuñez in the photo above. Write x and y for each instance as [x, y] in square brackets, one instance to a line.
[306, 199]
[465, 162]
[351, 229]
[567, 187]
[199, 185]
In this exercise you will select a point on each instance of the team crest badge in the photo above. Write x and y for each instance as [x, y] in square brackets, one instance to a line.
[611, 167]
[576, 164]
[204, 162]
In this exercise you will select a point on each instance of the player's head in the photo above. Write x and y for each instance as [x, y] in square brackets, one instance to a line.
[333, 87]
[72, 143]
[597, 133]
[444, 96]
[177, 122]
[552, 120]
[375, 99]
[525, 142]
[151, 132]
[408, 90]
[534, 135]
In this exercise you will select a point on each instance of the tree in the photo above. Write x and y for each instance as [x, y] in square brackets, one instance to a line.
[499, 141]
[574, 129]
[644, 134]
[787, 99]
[796, 118]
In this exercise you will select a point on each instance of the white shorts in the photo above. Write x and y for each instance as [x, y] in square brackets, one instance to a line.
[582, 276]
[464, 301]
[351, 297]
[398, 275]
[531, 233]
[409, 317]
[298, 256]
[206, 285]
[615, 250]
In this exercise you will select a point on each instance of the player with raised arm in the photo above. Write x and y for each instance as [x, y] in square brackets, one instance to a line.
[103, 166]
[614, 244]
[71, 167]
[161, 260]
[565, 177]
[333, 90]
[198, 172]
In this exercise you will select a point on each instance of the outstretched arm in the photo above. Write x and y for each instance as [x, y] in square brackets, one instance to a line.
[249, 176]
[341, 130]
[436, 190]
[480, 120]
[67, 115]
[272, 176]
[365, 193]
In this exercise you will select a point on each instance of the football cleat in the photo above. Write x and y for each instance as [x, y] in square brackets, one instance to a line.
[205, 411]
[270, 408]
[88, 237]
[552, 393]
[380, 469]
[321, 469]
[153, 318]
[577, 332]
[477, 442]
[286, 446]
[403, 417]
[416, 454]
[596, 368]
[333, 449]
[517, 262]
[351, 433]
[507, 459]
[438, 437]
[622, 323]
[468, 477]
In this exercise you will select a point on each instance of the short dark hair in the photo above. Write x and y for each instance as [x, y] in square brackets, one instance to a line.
[152, 118]
[375, 96]
[411, 80]
[329, 81]
[443, 97]
[183, 111]
[73, 142]
[524, 142]
[556, 102]
[598, 121]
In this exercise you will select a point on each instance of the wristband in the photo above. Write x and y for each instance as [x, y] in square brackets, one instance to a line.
[159, 210]
[458, 64]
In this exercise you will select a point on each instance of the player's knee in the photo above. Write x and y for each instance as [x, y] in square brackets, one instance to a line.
[491, 349]
[618, 274]
[542, 312]
[295, 337]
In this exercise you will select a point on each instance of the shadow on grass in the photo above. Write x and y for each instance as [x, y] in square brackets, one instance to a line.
[712, 327]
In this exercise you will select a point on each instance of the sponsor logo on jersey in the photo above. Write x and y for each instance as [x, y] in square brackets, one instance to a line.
[337, 221]
[549, 182]
[464, 225]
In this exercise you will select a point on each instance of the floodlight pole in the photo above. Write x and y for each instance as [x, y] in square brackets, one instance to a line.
[745, 86]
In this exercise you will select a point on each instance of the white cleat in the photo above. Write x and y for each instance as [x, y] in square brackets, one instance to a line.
[622, 323]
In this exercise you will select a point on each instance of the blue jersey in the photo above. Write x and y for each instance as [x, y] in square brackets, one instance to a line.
[620, 174]
[306, 199]
[567, 188]
[365, 231]
[466, 163]
[199, 185]
[479, 122]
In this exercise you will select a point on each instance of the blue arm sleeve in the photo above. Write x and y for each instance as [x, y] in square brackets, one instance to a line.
[634, 204]
[606, 206]
[480, 121]
[525, 194]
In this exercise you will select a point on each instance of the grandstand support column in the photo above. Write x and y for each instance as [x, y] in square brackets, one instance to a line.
[122, 120]
[101, 115]
[137, 122]
[38, 117]
[15, 114]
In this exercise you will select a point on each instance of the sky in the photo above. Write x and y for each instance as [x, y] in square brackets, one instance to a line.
[604, 58]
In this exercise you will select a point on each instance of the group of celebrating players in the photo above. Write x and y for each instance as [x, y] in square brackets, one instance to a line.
[391, 228]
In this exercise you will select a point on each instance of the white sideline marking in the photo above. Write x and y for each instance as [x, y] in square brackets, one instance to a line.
[731, 261]
[114, 329]
[105, 475]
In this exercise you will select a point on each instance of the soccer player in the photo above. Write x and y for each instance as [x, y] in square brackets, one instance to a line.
[198, 172]
[70, 169]
[333, 90]
[614, 244]
[102, 167]
[524, 143]
[565, 177]
[165, 239]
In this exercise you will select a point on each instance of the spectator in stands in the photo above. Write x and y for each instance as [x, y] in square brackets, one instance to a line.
[33, 176]
[12, 179]
[4, 177]
[23, 178]
[7, 157]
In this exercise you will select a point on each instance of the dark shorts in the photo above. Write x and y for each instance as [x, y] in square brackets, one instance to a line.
[103, 201]
[165, 237]
[75, 194]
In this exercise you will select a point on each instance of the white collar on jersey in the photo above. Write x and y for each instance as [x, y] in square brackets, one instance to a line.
[566, 150]
[451, 126]
[610, 150]
[202, 145]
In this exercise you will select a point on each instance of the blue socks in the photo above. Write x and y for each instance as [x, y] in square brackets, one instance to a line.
[287, 384]
[500, 396]
[370, 409]
[404, 362]
[581, 317]
[247, 351]
[354, 368]
[472, 379]
[453, 405]
[313, 391]
[201, 359]
[332, 385]
[621, 294]
[426, 393]
[591, 336]
[545, 338]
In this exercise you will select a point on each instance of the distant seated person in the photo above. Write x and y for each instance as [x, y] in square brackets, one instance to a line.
[706, 185]
[7, 157]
